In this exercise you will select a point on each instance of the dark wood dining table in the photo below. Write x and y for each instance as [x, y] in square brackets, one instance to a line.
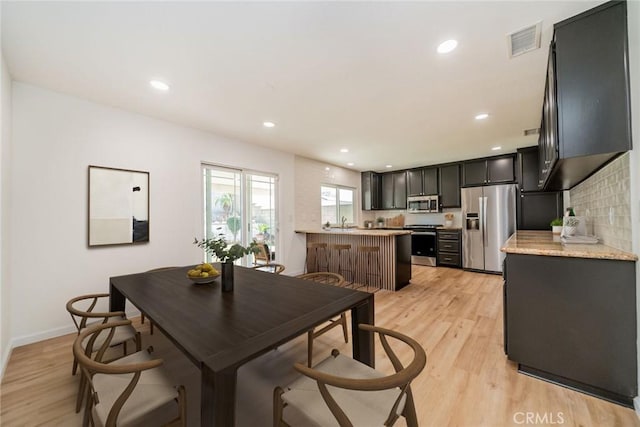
[220, 331]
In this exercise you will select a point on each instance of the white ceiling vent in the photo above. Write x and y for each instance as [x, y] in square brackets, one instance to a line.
[524, 40]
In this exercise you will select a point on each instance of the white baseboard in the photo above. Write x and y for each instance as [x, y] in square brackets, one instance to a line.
[636, 405]
[51, 333]
[5, 360]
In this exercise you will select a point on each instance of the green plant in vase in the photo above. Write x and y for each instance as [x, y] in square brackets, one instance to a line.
[218, 248]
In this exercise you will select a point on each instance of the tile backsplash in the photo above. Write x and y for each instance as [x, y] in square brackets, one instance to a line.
[604, 199]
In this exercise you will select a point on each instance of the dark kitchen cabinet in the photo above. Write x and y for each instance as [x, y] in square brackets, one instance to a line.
[536, 209]
[527, 169]
[394, 190]
[371, 191]
[422, 182]
[449, 183]
[587, 96]
[488, 171]
[449, 248]
[572, 321]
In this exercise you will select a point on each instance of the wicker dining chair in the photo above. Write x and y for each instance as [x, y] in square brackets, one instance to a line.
[133, 390]
[270, 267]
[328, 279]
[345, 391]
[81, 309]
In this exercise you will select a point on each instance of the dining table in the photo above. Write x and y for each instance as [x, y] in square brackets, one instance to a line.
[220, 331]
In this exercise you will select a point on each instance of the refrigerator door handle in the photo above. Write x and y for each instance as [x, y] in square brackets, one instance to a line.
[484, 221]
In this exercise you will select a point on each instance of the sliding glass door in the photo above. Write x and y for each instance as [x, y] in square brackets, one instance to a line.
[241, 205]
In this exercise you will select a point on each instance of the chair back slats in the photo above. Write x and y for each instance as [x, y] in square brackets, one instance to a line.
[396, 387]
[270, 267]
[335, 409]
[397, 379]
[112, 418]
[90, 367]
[324, 277]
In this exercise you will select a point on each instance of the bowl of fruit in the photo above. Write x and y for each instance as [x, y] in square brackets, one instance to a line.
[203, 273]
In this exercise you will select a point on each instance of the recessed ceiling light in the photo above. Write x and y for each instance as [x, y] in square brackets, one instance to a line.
[496, 148]
[388, 166]
[344, 150]
[327, 168]
[350, 164]
[447, 46]
[157, 84]
[482, 116]
[268, 124]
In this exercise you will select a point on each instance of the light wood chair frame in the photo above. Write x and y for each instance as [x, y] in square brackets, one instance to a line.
[366, 255]
[336, 250]
[401, 379]
[271, 267]
[90, 367]
[315, 259]
[81, 325]
[89, 314]
[330, 279]
[262, 256]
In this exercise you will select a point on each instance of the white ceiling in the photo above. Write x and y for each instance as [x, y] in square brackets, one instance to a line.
[360, 75]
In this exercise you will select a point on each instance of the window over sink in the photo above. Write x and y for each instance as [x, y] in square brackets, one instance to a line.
[336, 203]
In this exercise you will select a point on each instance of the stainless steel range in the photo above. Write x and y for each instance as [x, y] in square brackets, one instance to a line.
[423, 244]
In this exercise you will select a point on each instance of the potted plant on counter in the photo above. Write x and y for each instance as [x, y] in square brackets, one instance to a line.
[556, 226]
[571, 225]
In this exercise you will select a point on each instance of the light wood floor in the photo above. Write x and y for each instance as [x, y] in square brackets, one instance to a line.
[456, 315]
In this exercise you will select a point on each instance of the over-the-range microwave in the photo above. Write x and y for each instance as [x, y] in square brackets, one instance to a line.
[423, 204]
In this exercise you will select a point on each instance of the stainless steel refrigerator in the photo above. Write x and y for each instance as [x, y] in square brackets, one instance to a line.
[489, 218]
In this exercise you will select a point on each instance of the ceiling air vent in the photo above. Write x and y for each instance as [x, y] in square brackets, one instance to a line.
[525, 40]
[533, 131]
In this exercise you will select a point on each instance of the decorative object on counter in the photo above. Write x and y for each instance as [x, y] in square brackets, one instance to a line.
[396, 222]
[570, 212]
[448, 220]
[203, 273]
[570, 225]
[556, 226]
[220, 249]
[326, 226]
[380, 222]
[368, 224]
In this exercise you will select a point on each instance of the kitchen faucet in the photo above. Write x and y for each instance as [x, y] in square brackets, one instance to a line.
[344, 219]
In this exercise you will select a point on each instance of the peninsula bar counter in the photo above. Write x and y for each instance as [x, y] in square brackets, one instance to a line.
[395, 252]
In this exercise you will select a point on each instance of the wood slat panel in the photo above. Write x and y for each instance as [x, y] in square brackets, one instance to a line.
[387, 256]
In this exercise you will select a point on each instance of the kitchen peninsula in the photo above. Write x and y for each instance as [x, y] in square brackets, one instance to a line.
[570, 314]
[395, 252]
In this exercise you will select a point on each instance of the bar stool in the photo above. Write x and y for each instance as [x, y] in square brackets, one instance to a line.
[371, 255]
[344, 260]
[315, 253]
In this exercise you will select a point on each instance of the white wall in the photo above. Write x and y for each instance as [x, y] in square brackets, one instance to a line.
[55, 138]
[310, 175]
[633, 21]
[5, 156]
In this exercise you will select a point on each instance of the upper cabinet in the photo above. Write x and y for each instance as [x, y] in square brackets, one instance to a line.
[394, 190]
[371, 191]
[422, 182]
[489, 171]
[527, 169]
[449, 186]
[586, 111]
